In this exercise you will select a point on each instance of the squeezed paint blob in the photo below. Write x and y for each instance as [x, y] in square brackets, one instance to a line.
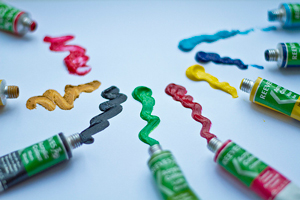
[76, 60]
[51, 98]
[190, 43]
[197, 73]
[204, 57]
[179, 94]
[144, 95]
[110, 109]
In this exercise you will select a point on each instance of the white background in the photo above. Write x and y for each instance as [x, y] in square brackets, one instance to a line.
[134, 43]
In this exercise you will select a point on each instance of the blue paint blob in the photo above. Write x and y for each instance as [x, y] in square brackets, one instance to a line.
[204, 57]
[188, 44]
[270, 28]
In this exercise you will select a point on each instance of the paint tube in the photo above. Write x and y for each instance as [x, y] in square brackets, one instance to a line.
[265, 181]
[286, 55]
[168, 176]
[270, 95]
[20, 165]
[14, 20]
[287, 14]
[7, 92]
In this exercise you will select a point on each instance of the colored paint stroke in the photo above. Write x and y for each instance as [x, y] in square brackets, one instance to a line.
[144, 95]
[76, 60]
[179, 94]
[197, 73]
[190, 43]
[51, 98]
[203, 57]
[110, 109]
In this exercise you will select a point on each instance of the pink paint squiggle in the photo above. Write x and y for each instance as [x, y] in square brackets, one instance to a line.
[76, 60]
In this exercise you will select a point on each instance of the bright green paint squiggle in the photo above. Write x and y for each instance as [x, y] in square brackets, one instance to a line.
[144, 95]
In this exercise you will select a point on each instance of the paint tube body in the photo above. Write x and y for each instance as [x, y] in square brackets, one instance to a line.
[287, 55]
[287, 13]
[7, 92]
[275, 97]
[14, 20]
[25, 163]
[169, 178]
[265, 181]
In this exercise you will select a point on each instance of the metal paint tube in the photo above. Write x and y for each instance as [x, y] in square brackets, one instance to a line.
[14, 20]
[168, 176]
[275, 97]
[286, 55]
[20, 165]
[7, 92]
[265, 181]
[287, 14]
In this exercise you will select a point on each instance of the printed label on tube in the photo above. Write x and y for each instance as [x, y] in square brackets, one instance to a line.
[8, 16]
[169, 177]
[273, 96]
[295, 12]
[20, 165]
[293, 55]
[255, 174]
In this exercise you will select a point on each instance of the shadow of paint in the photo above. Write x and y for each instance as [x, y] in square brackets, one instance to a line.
[2, 109]
[289, 71]
[235, 183]
[155, 186]
[276, 115]
[26, 37]
[43, 175]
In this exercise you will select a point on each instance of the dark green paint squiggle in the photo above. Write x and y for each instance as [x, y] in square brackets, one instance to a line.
[144, 95]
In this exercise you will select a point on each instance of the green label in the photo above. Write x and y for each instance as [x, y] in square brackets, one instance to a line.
[295, 12]
[169, 177]
[7, 17]
[43, 155]
[293, 58]
[276, 97]
[240, 163]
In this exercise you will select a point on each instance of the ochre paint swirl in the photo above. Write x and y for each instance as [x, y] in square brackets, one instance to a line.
[51, 98]
[197, 73]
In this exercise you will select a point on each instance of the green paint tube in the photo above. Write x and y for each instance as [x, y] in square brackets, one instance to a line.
[20, 165]
[14, 20]
[261, 178]
[168, 176]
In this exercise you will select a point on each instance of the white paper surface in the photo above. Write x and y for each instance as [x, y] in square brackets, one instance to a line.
[133, 43]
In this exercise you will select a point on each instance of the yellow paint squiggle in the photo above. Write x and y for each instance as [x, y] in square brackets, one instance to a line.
[197, 73]
[51, 98]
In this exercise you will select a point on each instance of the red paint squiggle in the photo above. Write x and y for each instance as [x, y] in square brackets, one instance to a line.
[76, 60]
[178, 93]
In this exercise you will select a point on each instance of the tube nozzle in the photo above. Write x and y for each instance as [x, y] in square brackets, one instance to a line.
[271, 55]
[246, 85]
[12, 92]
